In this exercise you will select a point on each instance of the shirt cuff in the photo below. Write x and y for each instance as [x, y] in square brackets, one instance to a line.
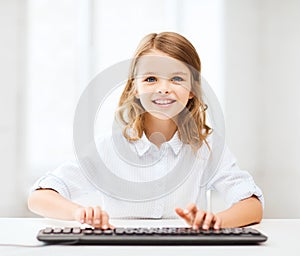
[50, 181]
[244, 190]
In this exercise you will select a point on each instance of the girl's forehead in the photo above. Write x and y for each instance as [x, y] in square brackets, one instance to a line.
[160, 65]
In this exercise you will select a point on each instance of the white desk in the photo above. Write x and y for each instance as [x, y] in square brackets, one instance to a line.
[283, 239]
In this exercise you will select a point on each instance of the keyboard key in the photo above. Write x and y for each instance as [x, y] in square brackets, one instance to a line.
[120, 231]
[107, 232]
[47, 230]
[98, 231]
[88, 232]
[57, 230]
[76, 230]
[67, 230]
[254, 232]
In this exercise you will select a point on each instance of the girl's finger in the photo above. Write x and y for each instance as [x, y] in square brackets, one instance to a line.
[184, 215]
[97, 216]
[190, 212]
[191, 208]
[208, 220]
[80, 215]
[104, 220]
[199, 219]
[89, 215]
[218, 222]
[179, 211]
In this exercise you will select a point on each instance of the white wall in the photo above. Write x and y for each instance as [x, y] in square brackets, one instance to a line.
[262, 97]
[281, 89]
[12, 48]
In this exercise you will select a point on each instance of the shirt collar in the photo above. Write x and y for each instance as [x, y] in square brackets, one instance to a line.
[175, 143]
[143, 144]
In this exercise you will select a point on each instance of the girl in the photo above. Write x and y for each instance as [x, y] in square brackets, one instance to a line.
[163, 117]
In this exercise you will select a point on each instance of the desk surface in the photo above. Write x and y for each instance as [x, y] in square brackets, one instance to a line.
[283, 239]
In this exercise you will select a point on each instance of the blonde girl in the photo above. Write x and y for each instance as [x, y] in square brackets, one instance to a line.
[163, 116]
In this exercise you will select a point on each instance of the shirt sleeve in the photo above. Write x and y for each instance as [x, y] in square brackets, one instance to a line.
[233, 183]
[67, 180]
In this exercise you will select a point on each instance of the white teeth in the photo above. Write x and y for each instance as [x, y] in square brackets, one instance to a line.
[163, 102]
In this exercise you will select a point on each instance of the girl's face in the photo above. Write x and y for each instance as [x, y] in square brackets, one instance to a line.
[163, 84]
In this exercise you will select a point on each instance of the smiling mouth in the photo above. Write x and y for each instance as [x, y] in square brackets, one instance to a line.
[163, 102]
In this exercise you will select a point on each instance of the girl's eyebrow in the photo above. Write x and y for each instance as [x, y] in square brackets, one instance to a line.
[149, 73]
[174, 73]
[179, 73]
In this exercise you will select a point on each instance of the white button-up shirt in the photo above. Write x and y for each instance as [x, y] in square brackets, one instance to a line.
[72, 182]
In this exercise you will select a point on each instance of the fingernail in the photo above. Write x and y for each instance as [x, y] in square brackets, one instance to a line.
[82, 221]
[90, 222]
[205, 226]
[195, 227]
[97, 221]
[186, 211]
[104, 226]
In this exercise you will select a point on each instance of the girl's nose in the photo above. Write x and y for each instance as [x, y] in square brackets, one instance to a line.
[163, 87]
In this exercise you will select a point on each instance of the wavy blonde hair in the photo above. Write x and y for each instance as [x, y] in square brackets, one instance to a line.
[193, 129]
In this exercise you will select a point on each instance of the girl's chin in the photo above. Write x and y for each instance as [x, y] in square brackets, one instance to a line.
[162, 116]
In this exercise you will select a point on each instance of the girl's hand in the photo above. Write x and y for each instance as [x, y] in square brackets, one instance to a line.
[199, 218]
[93, 216]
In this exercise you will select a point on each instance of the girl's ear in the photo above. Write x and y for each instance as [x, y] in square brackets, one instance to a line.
[191, 95]
[136, 93]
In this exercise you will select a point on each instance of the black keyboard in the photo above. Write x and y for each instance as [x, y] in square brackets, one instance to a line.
[151, 236]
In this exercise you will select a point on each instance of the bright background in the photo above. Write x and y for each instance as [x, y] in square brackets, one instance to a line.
[50, 50]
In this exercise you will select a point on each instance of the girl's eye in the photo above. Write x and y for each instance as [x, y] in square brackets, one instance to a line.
[150, 79]
[177, 79]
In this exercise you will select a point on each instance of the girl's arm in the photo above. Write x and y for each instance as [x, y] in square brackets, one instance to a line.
[49, 203]
[244, 212]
